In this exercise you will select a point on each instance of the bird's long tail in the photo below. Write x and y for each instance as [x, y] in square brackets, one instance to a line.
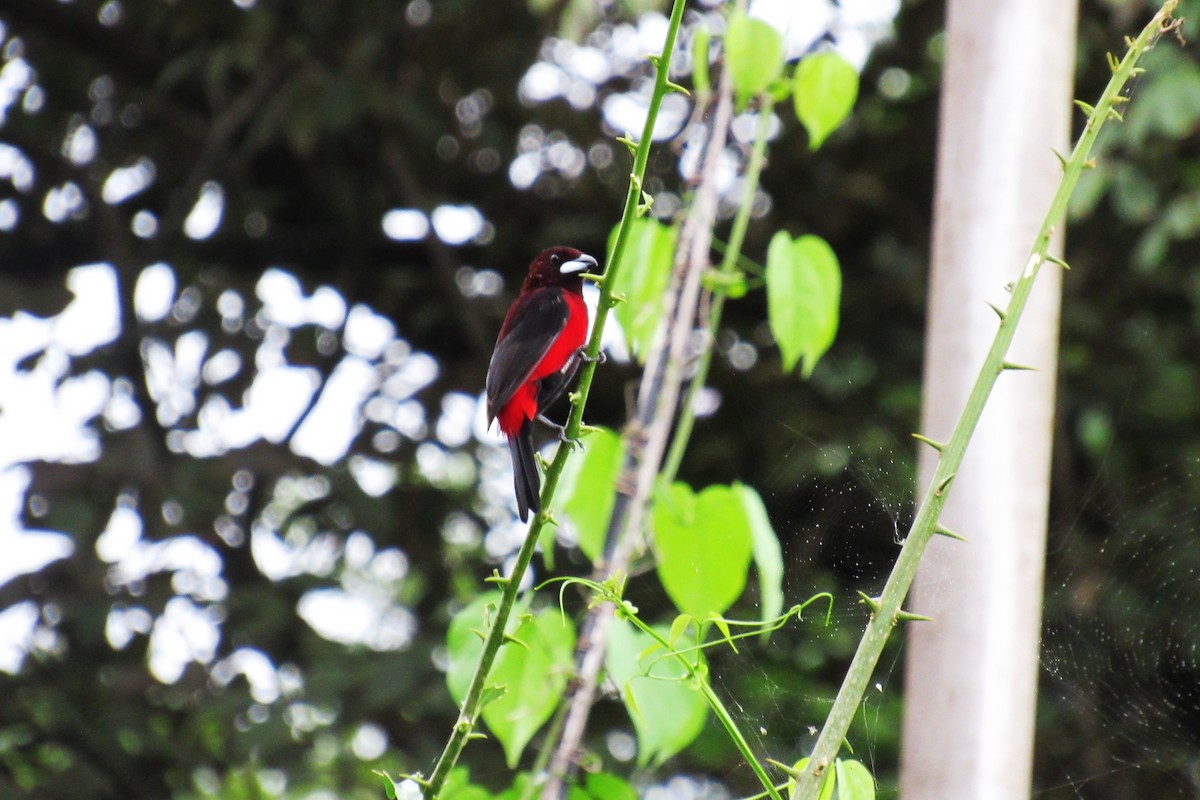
[525, 473]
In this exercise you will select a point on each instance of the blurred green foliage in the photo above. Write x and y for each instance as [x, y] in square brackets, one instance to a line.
[318, 118]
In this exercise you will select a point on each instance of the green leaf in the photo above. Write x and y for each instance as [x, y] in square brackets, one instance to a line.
[459, 787]
[389, 785]
[667, 714]
[768, 558]
[824, 90]
[522, 787]
[703, 543]
[587, 484]
[854, 781]
[602, 786]
[754, 54]
[642, 279]
[463, 642]
[532, 674]
[827, 784]
[804, 287]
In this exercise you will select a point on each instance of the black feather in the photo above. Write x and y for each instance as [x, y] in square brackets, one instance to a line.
[531, 327]
[526, 482]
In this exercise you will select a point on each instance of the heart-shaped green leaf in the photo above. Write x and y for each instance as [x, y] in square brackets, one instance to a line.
[768, 558]
[666, 712]
[531, 668]
[754, 56]
[586, 483]
[854, 781]
[824, 90]
[804, 289]
[703, 543]
[642, 279]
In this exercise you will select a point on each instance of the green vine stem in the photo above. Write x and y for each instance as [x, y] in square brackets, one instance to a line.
[464, 727]
[733, 249]
[886, 609]
[696, 674]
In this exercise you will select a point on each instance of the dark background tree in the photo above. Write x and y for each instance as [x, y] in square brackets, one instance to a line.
[315, 120]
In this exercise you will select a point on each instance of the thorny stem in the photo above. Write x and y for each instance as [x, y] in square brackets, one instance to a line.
[886, 609]
[471, 706]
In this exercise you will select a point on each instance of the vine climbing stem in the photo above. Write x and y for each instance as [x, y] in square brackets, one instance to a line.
[886, 610]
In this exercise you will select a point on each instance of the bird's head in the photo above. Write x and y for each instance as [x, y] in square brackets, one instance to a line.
[559, 266]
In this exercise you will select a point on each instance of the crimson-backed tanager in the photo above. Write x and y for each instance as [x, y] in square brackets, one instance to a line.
[538, 348]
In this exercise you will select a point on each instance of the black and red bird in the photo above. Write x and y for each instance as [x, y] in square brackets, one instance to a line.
[538, 347]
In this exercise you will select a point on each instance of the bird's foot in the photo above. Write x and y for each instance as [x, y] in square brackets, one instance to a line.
[561, 431]
[599, 358]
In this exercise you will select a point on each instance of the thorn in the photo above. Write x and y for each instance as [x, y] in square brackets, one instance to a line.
[936, 445]
[1120, 98]
[1113, 63]
[870, 602]
[496, 578]
[1017, 367]
[784, 768]
[1129, 41]
[653, 59]
[908, 616]
[945, 484]
[999, 312]
[675, 87]
[1088, 108]
[1056, 260]
[510, 639]
[942, 530]
[1089, 164]
[1062, 161]
[1008, 287]
[1135, 71]
[1114, 114]
[415, 777]
[627, 140]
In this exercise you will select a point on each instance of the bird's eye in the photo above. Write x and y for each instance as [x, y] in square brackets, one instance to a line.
[554, 258]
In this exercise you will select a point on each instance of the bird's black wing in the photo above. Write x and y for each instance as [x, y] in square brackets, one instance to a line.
[530, 328]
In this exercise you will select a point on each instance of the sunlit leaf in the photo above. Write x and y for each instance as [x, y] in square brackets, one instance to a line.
[463, 642]
[459, 787]
[703, 544]
[854, 781]
[667, 714]
[827, 783]
[768, 558]
[825, 88]
[642, 278]
[804, 287]
[602, 786]
[532, 674]
[754, 55]
[587, 484]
